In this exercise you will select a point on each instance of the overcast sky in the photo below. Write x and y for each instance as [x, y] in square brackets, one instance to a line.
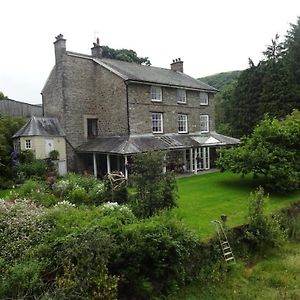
[210, 36]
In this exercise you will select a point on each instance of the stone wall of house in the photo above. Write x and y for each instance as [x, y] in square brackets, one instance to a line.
[77, 89]
[141, 107]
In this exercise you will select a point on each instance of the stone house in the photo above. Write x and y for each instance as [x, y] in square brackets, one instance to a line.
[111, 110]
[42, 135]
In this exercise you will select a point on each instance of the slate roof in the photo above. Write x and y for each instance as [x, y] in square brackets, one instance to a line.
[40, 126]
[143, 143]
[148, 74]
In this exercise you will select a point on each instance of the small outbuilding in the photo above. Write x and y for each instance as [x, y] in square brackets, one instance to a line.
[42, 135]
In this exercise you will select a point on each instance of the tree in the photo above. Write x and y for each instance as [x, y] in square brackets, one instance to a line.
[8, 126]
[156, 190]
[2, 96]
[273, 151]
[124, 55]
[292, 43]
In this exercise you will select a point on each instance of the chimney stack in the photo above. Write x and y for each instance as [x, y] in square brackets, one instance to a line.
[177, 65]
[97, 50]
[60, 48]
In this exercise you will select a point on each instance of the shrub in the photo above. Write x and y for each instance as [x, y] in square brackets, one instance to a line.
[153, 257]
[80, 189]
[80, 272]
[156, 191]
[263, 232]
[36, 168]
[27, 157]
[36, 191]
[21, 227]
[54, 154]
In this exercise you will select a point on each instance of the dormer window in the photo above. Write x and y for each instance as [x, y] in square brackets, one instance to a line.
[156, 93]
[181, 96]
[203, 98]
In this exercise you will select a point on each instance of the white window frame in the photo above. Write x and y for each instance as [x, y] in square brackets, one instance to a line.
[204, 123]
[181, 96]
[204, 98]
[157, 122]
[156, 93]
[28, 144]
[182, 122]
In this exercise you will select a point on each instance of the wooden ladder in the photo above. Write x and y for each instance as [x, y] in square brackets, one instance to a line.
[225, 246]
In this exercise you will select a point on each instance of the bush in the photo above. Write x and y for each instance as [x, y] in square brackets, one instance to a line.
[262, 232]
[80, 189]
[26, 157]
[37, 168]
[54, 154]
[154, 257]
[156, 191]
[37, 192]
[80, 272]
[21, 227]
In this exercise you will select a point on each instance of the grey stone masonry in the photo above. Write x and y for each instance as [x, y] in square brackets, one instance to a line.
[141, 107]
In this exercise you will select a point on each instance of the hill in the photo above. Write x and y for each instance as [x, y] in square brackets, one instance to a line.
[221, 80]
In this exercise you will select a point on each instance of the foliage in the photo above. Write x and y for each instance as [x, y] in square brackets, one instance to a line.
[153, 257]
[54, 154]
[26, 156]
[124, 55]
[273, 151]
[21, 227]
[37, 191]
[156, 191]
[35, 168]
[80, 189]
[80, 272]
[8, 127]
[261, 233]
[2, 96]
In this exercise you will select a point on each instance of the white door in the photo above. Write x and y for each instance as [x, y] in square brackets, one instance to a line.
[49, 146]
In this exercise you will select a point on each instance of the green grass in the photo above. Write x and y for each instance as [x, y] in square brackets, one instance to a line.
[275, 277]
[205, 197]
[4, 193]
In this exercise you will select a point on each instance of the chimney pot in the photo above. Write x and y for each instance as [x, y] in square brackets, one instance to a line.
[177, 65]
[97, 49]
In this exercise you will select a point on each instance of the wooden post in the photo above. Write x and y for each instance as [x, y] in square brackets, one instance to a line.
[165, 164]
[208, 158]
[195, 161]
[95, 164]
[191, 160]
[204, 158]
[125, 164]
[108, 163]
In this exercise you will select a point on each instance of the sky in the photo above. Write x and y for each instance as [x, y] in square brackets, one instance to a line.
[210, 36]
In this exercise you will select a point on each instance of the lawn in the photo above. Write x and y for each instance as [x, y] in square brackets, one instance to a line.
[205, 197]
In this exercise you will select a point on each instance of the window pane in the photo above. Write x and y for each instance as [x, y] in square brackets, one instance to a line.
[204, 123]
[182, 123]
[157, 122]
[156, 93]
[92, 127]
[203, 98]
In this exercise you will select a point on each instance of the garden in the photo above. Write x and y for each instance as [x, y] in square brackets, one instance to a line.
[75, 237]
